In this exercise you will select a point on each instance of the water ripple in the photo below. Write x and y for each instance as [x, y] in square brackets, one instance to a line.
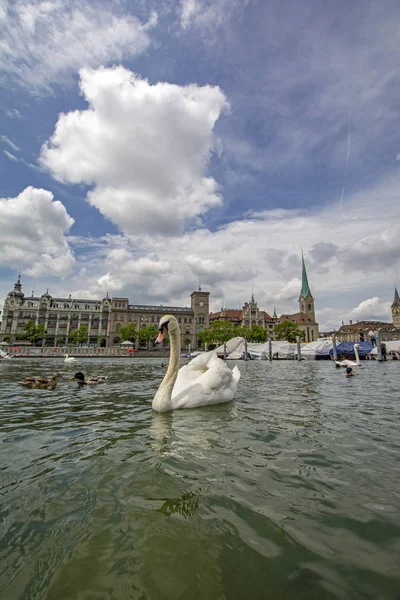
[290, 492]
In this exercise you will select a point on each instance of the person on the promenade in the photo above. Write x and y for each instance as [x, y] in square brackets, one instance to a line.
[372, 336]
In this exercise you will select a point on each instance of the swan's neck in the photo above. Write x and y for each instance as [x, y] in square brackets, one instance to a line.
[357, 356]
[162, 399]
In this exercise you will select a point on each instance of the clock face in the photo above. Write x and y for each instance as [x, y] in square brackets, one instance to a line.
[201, 303]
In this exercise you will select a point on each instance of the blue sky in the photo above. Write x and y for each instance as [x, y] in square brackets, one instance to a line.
[145, 144]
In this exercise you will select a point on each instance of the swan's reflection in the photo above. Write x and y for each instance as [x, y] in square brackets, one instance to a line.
[161, 431]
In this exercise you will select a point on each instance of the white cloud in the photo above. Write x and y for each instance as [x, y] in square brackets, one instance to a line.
[11, 156]
[45, 42]
[209, 15]
[263, 253]
[371, 309]
[32, 234]
[10, 143]
[144, 147]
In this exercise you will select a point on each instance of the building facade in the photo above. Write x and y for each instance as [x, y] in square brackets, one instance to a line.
[305, 318]
[249, 315]
[351, 332]
[192, 320]
[59, 316]
[62, 316]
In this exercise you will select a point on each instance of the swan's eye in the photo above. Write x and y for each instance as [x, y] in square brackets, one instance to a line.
[164, 326]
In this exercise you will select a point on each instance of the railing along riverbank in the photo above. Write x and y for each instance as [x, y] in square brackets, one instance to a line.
[87, 352]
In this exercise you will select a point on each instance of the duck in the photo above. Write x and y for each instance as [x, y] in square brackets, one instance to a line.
[206, 380]
[91, 380]
[68, 359]
[350, 363]
[43, 383]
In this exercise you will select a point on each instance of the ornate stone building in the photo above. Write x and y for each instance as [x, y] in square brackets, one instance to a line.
[305, 319]
[191, 319]
[249, 315]
[59, 316]
[103, 318]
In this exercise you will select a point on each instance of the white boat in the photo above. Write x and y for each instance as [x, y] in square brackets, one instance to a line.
[392, 350]
[281, 350]
[4, 354]
[234, 349]
[318, 350]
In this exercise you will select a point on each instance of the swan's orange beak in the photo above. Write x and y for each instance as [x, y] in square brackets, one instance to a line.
[161, 335]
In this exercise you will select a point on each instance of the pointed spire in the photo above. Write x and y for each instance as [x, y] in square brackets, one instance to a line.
[275, 315]
[305, 288]
[396, 301]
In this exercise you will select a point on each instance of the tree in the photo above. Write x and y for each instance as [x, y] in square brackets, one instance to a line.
[79, 336]
[288, 331]
[128, 332]
[148, 334]
[60, 339]
[205, 337]
[33, 333]
[222, 331]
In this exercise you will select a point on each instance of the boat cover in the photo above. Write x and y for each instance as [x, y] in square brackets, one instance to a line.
[346, 349]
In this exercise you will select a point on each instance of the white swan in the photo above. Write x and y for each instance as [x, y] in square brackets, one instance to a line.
[350, 363]
[68, 359]
[205, 380]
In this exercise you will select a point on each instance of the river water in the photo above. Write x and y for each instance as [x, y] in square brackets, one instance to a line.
[290, 492]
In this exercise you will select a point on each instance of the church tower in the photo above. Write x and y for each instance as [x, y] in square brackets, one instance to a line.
[396, 309]
[306, 300]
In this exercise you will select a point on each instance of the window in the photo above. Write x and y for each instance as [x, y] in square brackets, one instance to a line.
[309, 307]
[179, 320]
[188, 329]
[185, 320]
[117, 327]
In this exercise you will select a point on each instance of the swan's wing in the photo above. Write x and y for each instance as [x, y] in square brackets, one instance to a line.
[193, 370]
[215, 385]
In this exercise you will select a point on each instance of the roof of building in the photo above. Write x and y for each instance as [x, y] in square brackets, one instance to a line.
[364, 326]
[235, 314]
[300, 318]
[305, 288]
[159, 309]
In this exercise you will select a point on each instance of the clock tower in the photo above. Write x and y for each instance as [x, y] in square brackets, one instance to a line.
[396, 309]
[200, 302]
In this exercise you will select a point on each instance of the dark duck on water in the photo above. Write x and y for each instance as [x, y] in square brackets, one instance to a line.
[91, 380]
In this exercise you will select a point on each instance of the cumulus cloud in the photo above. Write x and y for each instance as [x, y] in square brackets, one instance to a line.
[372, 309]
[32, 234]
[44, 42]
[145, 147]
[262, 253]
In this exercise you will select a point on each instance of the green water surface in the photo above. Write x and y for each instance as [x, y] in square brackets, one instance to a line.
[290, 492]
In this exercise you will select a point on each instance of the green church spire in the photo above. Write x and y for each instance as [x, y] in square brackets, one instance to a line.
[396, 301]
[305, 288]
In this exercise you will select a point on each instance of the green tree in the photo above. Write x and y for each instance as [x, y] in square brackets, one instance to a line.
[60, 339]
[33, 333]
[128, 332]
[205, 337]
[79, 336]
[148, 334]
[288, 331]
[222, 331]
[258, 334]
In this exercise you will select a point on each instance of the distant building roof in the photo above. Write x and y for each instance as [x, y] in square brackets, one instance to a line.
[305, 288]
[364, 326]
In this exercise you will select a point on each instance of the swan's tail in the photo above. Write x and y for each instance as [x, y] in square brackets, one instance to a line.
[236, 373]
